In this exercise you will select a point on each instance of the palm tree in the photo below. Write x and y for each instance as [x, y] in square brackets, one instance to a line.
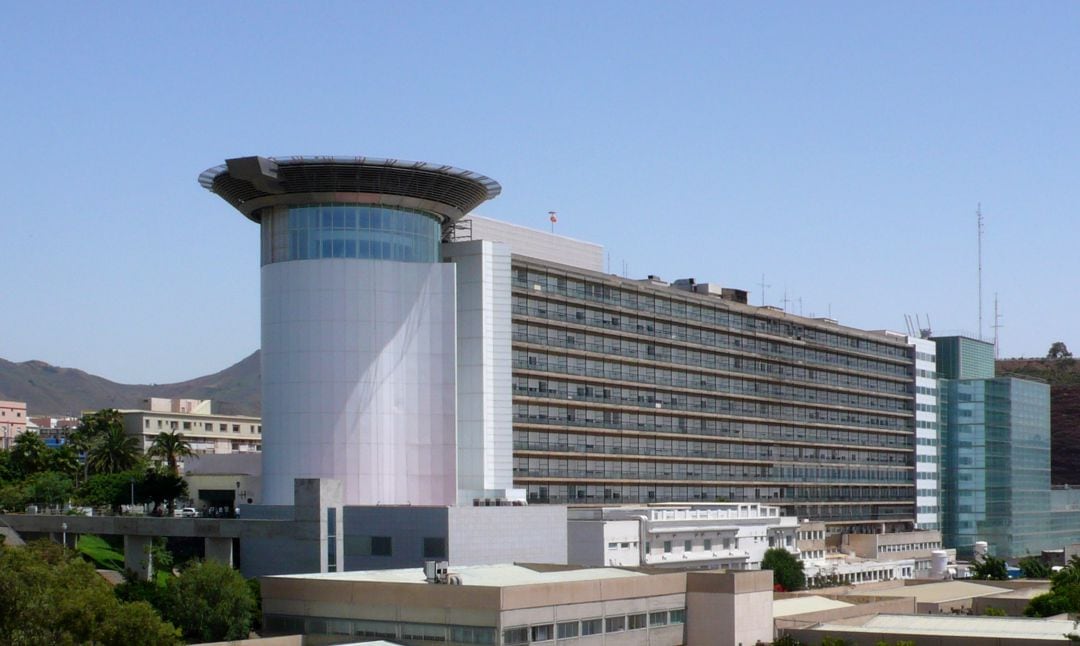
[113, 451]
[29, 453]
[92, 427]
[170, 446]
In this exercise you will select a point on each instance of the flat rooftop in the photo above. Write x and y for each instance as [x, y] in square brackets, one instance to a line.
[803, 605]
[958, 626]
[496, 576]
[940, 592]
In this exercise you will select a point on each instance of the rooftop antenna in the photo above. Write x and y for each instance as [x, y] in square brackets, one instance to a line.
[785, 301]
[763, 286]
[997, 326]
[909, 325]
[551, 216]
[979, 218]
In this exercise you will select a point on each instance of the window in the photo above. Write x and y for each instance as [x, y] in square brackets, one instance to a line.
[187, 426]
[667, 547]
[472, 635]
[235, 428]
[543, 632]
[223, 427]
[381, 629]
[382, 546]
[636, 622]
[516, 636]
[707, 546]
[428, 632]
[688, 546]
[567, 630]
[614, 624]
[147, 425]
[591, 627]
[658, 618]
[434, 547]
[678, 616]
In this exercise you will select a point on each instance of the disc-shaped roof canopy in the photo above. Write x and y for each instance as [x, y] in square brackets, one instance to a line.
[252, 183]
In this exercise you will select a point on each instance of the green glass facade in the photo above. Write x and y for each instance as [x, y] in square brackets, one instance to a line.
[959, 357]
[996, 464]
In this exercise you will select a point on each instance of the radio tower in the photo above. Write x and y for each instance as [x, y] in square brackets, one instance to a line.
[978, 214]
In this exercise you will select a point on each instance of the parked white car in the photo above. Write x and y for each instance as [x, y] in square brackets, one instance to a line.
[189, 512]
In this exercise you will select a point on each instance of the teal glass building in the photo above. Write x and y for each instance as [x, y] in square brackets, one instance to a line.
[996, 465]
[995, 455]
[961, 357]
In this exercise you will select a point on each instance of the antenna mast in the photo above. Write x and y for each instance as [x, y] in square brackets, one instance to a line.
[763, 288]
[979, 217]
[997, 326]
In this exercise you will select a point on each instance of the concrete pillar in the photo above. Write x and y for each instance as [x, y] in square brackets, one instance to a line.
[219, 549]
[137, 556]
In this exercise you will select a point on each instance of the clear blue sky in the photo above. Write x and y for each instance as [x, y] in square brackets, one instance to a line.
[839, 149]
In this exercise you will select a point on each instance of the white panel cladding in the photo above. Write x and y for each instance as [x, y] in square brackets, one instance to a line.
[358, 366]
[485, 405]
[927, 464]
[533, 243]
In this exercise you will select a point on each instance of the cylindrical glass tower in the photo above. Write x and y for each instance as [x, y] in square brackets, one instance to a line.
[358, 321]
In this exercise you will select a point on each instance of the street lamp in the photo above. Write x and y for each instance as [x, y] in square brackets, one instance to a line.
[132, 491]
[63, 527]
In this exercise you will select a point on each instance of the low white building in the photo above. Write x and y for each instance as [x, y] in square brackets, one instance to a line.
[724, 535]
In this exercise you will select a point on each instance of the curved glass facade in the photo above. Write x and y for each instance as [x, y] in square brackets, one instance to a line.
[349, 231]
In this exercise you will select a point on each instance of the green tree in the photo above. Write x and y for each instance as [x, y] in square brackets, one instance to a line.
[8, 473]
[29, 454]
[111, 489]
[1034, 568]
[989, 568]
[65, 460]
[92, 427]
[49, 487]
[14, 497]
[210, 602]
[52, 596]
[787, 570]
[1064, 595]
[163, 487]
[995, 612]
[170, 447]
[113, 451]
[1058, 350]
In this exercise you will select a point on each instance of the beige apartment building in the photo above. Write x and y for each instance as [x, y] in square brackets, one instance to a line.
[12, 422]
[194, 418]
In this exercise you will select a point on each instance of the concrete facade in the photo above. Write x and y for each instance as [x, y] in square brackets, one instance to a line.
[358, 365]
[12, 422]
[509, 605]
[206, 432]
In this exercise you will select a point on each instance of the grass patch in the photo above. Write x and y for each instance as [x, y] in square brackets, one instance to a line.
[103, 555]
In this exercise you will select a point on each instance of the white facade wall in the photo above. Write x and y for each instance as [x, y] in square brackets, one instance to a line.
[534, 243]
[735, 536]
[485, 441]
[358, 369]
[927, 437]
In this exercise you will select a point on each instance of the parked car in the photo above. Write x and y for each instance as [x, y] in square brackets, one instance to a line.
[189, 512]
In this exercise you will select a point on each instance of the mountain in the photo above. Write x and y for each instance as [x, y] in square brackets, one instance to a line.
[1063, 375]
[49, 390]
